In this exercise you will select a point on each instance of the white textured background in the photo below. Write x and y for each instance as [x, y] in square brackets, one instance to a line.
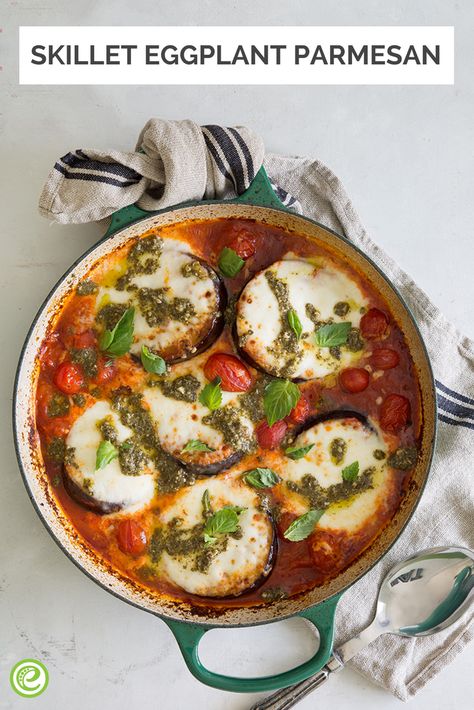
[405, 155]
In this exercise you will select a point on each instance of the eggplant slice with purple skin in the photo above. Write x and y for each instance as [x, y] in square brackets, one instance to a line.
[87, 501]
[179, 306]
[196, 550]
[98, 471]
[282, 308]
[334, 457]
[205, 441]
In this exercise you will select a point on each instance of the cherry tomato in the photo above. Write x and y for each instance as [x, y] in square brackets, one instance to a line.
[300, 411]
[234, 375]
[86, 339]
[354, 379]
[270, 437]
[69, 378]
[52, 352]
[105, 370]
[374, 324]
[385, 358]
[243, 244]
[394, 413]
[131, 537]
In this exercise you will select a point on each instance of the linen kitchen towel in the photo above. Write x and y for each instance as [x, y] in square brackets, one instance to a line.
[180, 161]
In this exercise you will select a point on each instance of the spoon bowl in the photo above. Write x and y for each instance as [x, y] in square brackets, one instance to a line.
[420, 596]
[427, 592]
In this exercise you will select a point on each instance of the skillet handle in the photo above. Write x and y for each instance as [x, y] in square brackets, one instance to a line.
[125, 216]
[259, 192]
[188, 637]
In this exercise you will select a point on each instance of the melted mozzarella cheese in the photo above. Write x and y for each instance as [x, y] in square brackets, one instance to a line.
[259, 321]
[361, 442]
[201, 293]
[244, 560]
[109, 484]
[178, 422]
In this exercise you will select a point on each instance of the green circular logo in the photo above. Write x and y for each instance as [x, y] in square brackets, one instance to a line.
[29, 678]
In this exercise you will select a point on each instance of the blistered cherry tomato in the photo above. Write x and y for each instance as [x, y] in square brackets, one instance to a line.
[270, 437]
[131, 537]
[52, 352]
[300, 411]
[234, 375]
[385, 358]
[374, 324]
[354, 379]
[394, 413]
[105, 370]
[243, 244]
[69, 378]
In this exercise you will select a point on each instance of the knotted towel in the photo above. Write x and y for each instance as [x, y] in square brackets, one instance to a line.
[174, 161]
[180, 161]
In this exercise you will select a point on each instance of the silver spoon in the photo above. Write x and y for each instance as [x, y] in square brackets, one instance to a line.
[420, 596]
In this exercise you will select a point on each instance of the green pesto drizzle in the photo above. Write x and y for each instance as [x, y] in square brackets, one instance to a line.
[341, 308]
[111, 313]
[58, 452]
[79, 399]
[132, 458]
[144, 256]
[87, 288]
[285, 347]
[129, 407]
[183, 388]
[322, 498]
[194, 268]
[403, 458]
[58, 405]
[157, 309]
[354, 342]
[228, 420]
[87, 359]
[337, 449]
[252, 402]
[186, 542]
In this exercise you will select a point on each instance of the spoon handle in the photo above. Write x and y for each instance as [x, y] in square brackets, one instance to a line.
[287, 697]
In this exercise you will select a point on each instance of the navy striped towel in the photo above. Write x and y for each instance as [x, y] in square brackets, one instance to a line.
[174, 161]
[182, 161]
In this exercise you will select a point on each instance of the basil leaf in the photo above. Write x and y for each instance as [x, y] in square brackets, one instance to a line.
[332, 334]
[279, 398]
[230, 262]
[206, 504]
[106, 452]
[237, 508]
[211, 395]
[151, 362]
[118, 341]
[222, 522]
[295, 453]
[261, 477]
[194, 445]
[295, 324]
[350, 473]
[303, 526]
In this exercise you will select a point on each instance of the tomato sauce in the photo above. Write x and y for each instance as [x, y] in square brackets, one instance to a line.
[298, 566]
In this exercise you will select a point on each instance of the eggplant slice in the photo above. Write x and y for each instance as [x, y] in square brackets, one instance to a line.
[107, 489]
[233, 562]
[317, 296]
[344, 472]
[179, 305]
[204, 441]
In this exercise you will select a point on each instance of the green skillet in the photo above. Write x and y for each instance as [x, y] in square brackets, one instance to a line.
[189, 623]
